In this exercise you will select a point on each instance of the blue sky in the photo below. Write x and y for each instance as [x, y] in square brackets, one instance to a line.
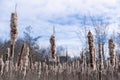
[66, 15]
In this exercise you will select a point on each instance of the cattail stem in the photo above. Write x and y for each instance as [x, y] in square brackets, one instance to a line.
[11, 57]
[12, 51]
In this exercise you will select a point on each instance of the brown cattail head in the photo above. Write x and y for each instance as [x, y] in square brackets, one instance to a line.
[112, 52]
[91, 50]
[90, 37]
[53, 46]
[14, 27]
[100, 56]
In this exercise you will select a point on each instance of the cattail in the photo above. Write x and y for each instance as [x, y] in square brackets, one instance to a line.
[39, 70]
[14, 27]
[100, 56]
[112, 52]
[119, 67]
[100, 61]
[1, 65]
[53, 46]
[78, 64]
[16, 67]
[58, 60]
[36, 65]
[7, 60]
[7, 55]
[25, 61]
[81, 55]
[84, 64]
[6, 66]
[13, 33]
[108, 63]
[66, 56]
[91, 50]
[116, 62]
[46, 69]
[20, 56]
[59, 68]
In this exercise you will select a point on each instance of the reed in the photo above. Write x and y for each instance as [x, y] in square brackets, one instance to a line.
[20, 56]
[91, 50]
[1, 65]
[112, 52]
[53, 46]
[101, 66]
[13, 32]
[25, 60]
[7, 55]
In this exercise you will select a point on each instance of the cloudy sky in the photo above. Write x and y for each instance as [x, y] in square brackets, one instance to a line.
[67, 16]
